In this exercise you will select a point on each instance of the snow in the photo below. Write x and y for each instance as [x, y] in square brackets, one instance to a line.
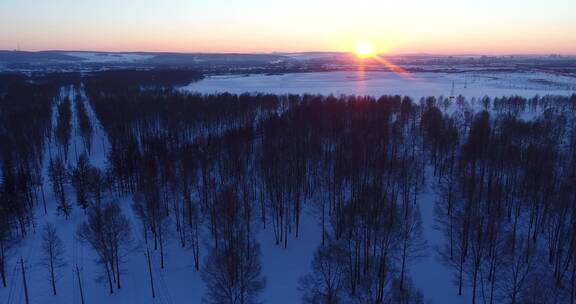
[470, 84]
[282, 267]
[429, 273]
[94, 57]
[311, 55]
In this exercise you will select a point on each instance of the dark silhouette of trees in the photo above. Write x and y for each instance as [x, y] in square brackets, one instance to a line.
[63, 126]
[80, 178]
[25, 125]
[59, 177]
[500, 200]
[325, 283]
[209, 169]
[7, 241]
[97, 185]
[232, 270]
[84, 124]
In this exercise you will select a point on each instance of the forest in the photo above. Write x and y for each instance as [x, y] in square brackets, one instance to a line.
[210, 171]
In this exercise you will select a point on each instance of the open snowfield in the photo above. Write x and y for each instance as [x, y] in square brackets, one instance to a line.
[416, 85]
[109, 57]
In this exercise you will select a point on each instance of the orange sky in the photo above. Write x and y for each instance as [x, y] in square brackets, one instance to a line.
[408, 26]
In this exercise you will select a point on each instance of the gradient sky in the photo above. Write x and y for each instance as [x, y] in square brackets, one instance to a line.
[406, 26]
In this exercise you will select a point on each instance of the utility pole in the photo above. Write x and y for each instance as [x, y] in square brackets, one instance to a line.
[80, 284]
[24, 280]
[150, 271]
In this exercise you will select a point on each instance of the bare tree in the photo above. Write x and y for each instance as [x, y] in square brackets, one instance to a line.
[79, 176]
[7, 242]
[53, 253]
[63, 126]
[232, 271]
[412, 243]
[407, 294]
[58, 178]
[234, 275]
[107, 230]
[86, 130]
[325, 284]
[96, 185]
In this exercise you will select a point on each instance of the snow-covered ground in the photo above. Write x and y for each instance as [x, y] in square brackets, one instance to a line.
[416, 85]
[429, 273]
[97, 57]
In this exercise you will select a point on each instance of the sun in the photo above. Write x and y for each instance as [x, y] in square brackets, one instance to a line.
[364, 49]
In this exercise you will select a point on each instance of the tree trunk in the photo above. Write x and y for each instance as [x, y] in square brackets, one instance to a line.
[2, 263]
[117, 270]
[52, 278]
[111, 287]
[403, 266]
[161, 246]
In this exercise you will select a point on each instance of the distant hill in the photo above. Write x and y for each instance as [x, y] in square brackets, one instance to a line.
[10, 57]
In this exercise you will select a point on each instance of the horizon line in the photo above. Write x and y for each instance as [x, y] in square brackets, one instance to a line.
[292, 52]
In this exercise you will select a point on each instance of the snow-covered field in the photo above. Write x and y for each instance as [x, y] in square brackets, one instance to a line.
[94, 57]
[416, 85]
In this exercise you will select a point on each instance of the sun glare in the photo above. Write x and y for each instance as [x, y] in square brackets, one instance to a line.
[364, 50]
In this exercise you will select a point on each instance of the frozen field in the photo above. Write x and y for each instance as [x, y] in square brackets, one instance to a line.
[109, 57]
[416, 85]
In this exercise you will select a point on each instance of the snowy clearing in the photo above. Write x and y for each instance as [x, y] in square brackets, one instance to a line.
[416, 85]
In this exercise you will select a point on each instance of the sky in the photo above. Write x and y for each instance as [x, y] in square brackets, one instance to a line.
[397, 27]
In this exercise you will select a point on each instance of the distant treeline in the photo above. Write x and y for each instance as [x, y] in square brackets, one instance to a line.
[120, 80]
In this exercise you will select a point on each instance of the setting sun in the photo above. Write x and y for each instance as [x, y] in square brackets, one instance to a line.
[364, 50]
